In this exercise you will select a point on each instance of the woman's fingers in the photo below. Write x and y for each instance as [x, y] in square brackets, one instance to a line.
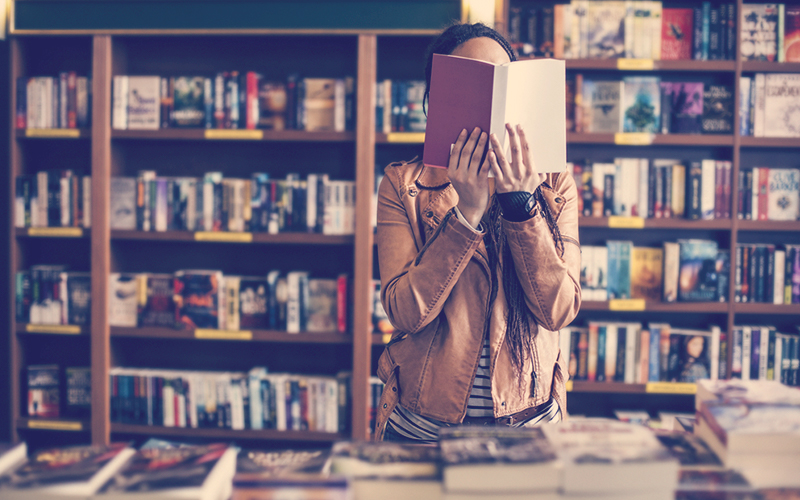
[480, 147]
[467, 151]
[516, 152]
[527, 159]
[491, 159]
[456, 152]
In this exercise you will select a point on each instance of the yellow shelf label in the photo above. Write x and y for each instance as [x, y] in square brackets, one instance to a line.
[408, 137]
[224, 236]
[626, 305]
[53, 132]
[569, 385]
[62, 329]
[633, 138]
[250, 135]
[617, 221]
[671, 387]
[55, 425]
[62, 232]
[635, 64]
[209, 334]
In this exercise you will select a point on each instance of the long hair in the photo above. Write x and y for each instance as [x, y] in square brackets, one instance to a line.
[518, 330]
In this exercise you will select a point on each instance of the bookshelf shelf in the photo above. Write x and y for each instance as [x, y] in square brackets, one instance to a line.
[229, 237]
[653, 140]
[267, 435]
[700, 225]
[52, 424]
[620, 64]
[53, 133]
[676, 388]
[235, 135]
[255, 335]
[672, 307]
[52, 232]
[27, 328]
[761, 308]
[770, 67]
[769, 225]
[770, 142]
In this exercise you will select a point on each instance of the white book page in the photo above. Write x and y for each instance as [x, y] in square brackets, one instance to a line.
[535, 99]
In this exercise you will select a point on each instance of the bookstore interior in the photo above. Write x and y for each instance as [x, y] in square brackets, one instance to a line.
[194, 305]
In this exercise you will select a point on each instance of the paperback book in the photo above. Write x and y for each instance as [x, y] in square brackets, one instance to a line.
[641, 104]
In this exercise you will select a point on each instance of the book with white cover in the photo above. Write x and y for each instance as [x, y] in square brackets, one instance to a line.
[608, 456]
[144, 102]
[781, 105]
[783, 193]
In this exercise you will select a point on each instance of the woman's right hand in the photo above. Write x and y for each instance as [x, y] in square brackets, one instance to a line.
[469, 178]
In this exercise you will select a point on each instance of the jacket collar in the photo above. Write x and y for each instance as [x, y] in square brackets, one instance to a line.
[432, 178]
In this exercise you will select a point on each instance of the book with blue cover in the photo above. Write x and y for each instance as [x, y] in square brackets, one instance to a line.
[697, 275]
[641, 104]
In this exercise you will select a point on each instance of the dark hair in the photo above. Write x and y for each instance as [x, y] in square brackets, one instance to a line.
[452, 37]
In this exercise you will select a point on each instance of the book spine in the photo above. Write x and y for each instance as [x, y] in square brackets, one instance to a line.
[706, 33]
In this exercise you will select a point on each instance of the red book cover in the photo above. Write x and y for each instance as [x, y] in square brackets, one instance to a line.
[251, 100]
[791, 37]
[763, 195]
[467, 93]
[578, 107]
[341, 303]
[72, 100]
[718, 193]
[676, 34]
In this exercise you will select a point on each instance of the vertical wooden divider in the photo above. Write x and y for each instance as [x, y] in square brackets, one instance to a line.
[101, 235]
[362, 267]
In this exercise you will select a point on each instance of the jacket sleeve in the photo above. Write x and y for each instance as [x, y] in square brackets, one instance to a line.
[551, 283]
[415, 282]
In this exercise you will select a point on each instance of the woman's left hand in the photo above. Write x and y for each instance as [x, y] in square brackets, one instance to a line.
[517, 173]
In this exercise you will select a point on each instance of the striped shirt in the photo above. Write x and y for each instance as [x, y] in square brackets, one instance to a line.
[425, 430]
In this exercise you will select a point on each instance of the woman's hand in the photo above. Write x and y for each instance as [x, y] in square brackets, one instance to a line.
[517, 173]
[467, 176]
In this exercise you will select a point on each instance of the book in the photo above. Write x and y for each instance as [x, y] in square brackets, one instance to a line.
[253, 300]
[686, 106]
[78, 399]
[77, 308]
[755, 391]
[676, 34]
[69, 472]
[164, 470]
[717, 110]
[188, 106]
[697, 279]
[604, 456]
[515, 93]
[44, 390]
[619, 269]
[711, 482]
[144, 103]
[12, 456]
[156, 304]
[322, 311]
[646, 269]
[606, 30]
[691, 451]
[689, 358]
[759, 32]
[384, 459]
[783, 194]
[294, 473]
[199, 299]
[122, 299]
[641, 104]
[602, 102]
[781, 112]
[791, 34]
[478, 459]
[123, 203]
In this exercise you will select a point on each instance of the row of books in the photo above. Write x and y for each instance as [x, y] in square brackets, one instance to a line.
[769, 193]
[687, 270]
[256, 399]
[654, 188]
[630, 29]
[52, 295]
[233, 100]
[63, 101]
[626, 352]
[398, 106]
[293, 302]
[647, 104]
[760, 352]
[55, 391]
[767, 273]
[768, 102]
[53, 198]
[316, 204]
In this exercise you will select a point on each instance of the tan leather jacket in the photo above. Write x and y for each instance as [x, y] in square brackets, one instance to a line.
[435, 287]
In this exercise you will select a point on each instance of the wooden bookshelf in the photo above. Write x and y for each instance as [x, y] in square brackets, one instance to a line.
[351, 155]
[676, 388]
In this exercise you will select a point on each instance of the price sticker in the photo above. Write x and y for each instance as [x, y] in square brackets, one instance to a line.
[670, 388]
[57, 232]
[633, 138]
[65, 133]
[209, 334]
[620, 222]
[236, 135]
[626, 305]
[406, 137]
[55, 425]
[223, 236]
[61, 329]
[569, 385]
[627, 64]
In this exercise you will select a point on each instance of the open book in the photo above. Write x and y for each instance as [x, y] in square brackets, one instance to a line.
[468, 93]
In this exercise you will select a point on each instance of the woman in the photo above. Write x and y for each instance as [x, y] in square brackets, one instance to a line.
[478, 274]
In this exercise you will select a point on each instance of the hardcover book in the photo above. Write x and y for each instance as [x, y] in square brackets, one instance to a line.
[497, 459]
[692, 452]
[782, 105]
[79, 391]
[646, 267]
[198, 299]
[322, 311]
[123, 203]
[689, 355]
[521, 92]
[384, 459]
[272, 102]
[188, 107]
[289, 473]
[43, 391]
[791, 37]
[78, 306]
[759, 32]
[122, 299]
[717, 110]
[156, 305]
[686, 106]
[253, 299]
[603, 104]
[606, 30]
[641, 104]
[783, 193]
[144, 102]
[676, 34]
[697, 281]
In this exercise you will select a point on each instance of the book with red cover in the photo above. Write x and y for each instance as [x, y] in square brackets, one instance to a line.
[467, 93]
[676, 34]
